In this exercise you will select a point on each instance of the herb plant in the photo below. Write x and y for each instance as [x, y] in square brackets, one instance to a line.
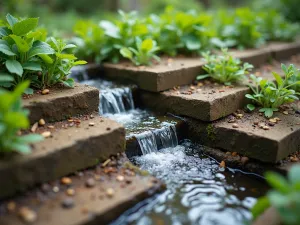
[144, 52]
[224, 68]
[294, 77]
[27, 54]
[13, 118]
[285, 196]
[270, 95]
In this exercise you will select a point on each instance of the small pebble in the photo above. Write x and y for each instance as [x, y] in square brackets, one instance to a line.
[273, 120]
[228, 153]
[110, 192]
[240, 115]
[55, 189]
[120, 178]
[66, 180]
[244, 159]
[46, 134]
[51, 127]
[234, 154]
[222, 164]
[27, 215]
[70, 192]
[91, 124]
[34, 127]
[256, 122]
[108, 128]
[11, 206]
[235, 125]
[45, 91]
[90, 183]
[266, 128]
[261, 125]
[68, 203]
[271, 124]
[285, 112]
[42, 122]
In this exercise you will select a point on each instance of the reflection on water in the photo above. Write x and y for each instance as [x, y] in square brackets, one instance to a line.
[198, 191]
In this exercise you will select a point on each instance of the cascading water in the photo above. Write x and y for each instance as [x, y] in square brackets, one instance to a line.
[79, 73]
[117, 100]
[152, 141]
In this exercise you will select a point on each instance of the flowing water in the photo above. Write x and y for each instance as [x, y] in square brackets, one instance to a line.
[198, 191]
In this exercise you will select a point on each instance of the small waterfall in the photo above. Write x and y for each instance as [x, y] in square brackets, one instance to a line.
[79, 73]
[152, 141]
[147, 142]
[116, 100]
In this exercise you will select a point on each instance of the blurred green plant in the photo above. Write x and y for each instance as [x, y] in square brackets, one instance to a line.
[144, 52]
[270, 95]
[13, 118]
[284, 197]
[224, 68]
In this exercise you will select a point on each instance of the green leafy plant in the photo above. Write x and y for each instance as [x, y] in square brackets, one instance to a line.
[13, 118]
[27, 54]
[270, 95]
[294, 78]
[224, 68]
[285, 196]
[143, 54]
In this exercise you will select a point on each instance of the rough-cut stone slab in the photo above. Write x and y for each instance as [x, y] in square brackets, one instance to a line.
[256, 57]
[92, 205]
[165, 75]
[67, 151]
[206, 103]
[61, 103]
[249, 140]
[282, 51]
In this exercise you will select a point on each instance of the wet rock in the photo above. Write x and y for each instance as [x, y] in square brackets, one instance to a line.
[45, 91]
[90, 183]
[68, 203]
[66, 180]
[27, 215]
[222, 164]
[42, 122]
[244, 159]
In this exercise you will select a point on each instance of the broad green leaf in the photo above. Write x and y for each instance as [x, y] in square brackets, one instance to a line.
[33, 66]
[69, 46]
[20, 148]
[110, 29]
[277, 182]
[39, 48]
[66, 56]
[46, 58]
[126, 53]
[250, 107]
[147, 45]
[30, 138]
[250, 96]
[278, 78]
[4, 31]
[261, 205]
[16, 119]
[69, 83]
[20, 88]
[294, 175]
[6, 77]
[25, 26]
[5, 49]
[13, 66]
[80, 62]
[201, 77]
[269, 113]
[21, 43]
[11, 20]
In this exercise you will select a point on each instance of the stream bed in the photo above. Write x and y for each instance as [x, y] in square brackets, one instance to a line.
[198, 191]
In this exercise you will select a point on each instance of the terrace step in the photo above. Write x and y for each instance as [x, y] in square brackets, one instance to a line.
[62, 103]
[248, 139]
[182, 71]
[68, 150]
[116, 188]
